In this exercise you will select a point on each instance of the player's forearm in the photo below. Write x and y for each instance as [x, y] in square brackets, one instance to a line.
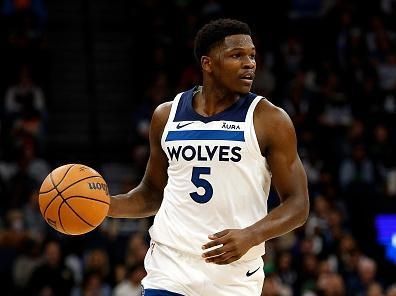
[290, 214]
[138, 203]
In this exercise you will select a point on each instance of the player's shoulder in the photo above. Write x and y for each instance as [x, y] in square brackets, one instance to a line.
[162, 111]
[272, 123]
[159, 119]
[269, 112]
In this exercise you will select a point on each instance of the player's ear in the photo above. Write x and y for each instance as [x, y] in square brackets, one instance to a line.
[206, 63]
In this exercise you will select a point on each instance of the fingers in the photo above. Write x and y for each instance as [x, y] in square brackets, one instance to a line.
[212, 244]
[216, 239]
[215, 252]
[223, 254]
[219, 234]
[222, 259]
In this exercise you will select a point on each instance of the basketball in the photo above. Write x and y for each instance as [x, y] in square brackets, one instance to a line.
[74, 199]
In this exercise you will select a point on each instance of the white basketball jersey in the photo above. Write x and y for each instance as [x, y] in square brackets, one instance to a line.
[217, 177]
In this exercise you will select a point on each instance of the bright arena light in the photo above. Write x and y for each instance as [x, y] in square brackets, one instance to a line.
[386, 234]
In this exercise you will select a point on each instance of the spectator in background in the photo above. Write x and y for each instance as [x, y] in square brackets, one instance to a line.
[391, 290]
[265, 81]
[20, 186]
[331, 284]
[387, 73]
[131, 285]
[374, 289]
[285, 270]
[37, 7]
[292, 52]
[378, 39]
[273, 286]
[97, 261]
[367, 275]
[12, 236]
[92, 285]
[29, 159]
[308, 277]
[382, 155]
[26, 262]
[35, 224]
[189, 77]
[298, 99]
[25, 174]
[337, 110]
[19, 10]
[155, 94]
[25, 109]
[357, 172]
[52, 277]
[136, 249]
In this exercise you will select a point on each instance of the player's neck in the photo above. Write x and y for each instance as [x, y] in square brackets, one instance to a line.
[209, 102]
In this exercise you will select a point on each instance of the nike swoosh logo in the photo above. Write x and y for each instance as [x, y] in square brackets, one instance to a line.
[249, 273]
[179, 125]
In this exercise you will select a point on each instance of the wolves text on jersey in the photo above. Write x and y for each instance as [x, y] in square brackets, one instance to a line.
[205, 153]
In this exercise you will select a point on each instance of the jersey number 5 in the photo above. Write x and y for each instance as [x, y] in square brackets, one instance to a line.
[200, 182]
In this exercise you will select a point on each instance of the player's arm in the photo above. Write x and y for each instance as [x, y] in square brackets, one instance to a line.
[146, 198]
[277, 138]
[288, 174]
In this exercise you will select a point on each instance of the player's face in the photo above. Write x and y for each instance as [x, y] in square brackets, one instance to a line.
[234, 63]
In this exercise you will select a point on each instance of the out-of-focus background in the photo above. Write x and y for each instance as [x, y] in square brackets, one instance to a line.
[79, 81]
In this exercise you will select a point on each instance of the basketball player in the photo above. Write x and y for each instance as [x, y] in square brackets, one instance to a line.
[213, 153]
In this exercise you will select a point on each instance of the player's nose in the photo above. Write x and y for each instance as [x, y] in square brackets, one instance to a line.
[249, 63]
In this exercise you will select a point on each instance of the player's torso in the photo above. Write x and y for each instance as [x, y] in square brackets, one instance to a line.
[217, 177]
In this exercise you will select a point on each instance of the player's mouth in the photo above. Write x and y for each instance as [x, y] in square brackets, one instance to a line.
[247, 77]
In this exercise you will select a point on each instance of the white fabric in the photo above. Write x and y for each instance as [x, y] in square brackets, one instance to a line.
[240, 188]
[177, 272]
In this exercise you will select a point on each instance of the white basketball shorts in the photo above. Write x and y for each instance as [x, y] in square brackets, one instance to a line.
[171, 272]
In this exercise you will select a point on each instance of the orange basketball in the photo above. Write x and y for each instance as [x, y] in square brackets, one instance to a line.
[74, 199]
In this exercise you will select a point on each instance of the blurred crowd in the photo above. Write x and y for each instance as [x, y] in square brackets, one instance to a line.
[331, 64]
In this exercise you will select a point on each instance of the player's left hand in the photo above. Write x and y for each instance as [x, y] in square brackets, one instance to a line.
[234, 243]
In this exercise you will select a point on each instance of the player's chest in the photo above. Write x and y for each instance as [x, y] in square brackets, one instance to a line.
[220, 141]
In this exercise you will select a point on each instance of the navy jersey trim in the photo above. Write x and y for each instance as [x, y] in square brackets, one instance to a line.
[236, 112]
[157, 292]
[205, 135]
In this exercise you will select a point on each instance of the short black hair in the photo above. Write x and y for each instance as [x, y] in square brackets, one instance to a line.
[214, 32]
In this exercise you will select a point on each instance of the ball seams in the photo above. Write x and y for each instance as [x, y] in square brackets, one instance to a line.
[64, 200]
[64, 176]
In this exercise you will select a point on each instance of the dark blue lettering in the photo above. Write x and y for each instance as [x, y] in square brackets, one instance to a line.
[193, 153]
[236, 155]
[223, 153]
[174, 153]
[200, 153]
[211, 153]
[200, 156]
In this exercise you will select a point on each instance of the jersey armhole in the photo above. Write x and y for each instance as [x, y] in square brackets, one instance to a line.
[171, 116]
[251, 137]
